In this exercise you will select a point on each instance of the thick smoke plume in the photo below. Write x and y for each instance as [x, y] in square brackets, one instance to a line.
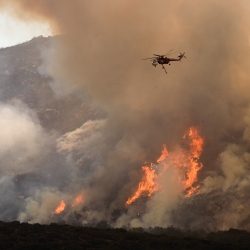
[100, 53]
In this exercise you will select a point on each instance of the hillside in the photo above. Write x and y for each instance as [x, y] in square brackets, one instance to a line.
[20, 81]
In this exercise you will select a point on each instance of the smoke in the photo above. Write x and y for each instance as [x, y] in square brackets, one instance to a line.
[99, 53]
[23, 139]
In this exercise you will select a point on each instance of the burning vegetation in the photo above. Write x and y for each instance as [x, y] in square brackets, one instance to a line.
[80, 113]
[186, 162]
[60, 208]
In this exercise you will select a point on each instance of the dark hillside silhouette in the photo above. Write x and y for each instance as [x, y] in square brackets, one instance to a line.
[15, 235]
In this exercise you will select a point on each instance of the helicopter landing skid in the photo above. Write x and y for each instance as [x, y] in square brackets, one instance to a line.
[164, 68]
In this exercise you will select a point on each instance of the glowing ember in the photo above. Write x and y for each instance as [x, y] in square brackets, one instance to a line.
[186, 162]
[60, 208]
[147, 186]
[78, 200]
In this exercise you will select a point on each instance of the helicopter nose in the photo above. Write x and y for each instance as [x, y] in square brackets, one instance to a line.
[154, 63]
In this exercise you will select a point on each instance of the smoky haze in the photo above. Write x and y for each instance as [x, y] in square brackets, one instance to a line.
[100, 53]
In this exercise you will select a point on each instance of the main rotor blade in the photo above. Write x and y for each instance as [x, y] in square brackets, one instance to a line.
[172, 53]
[169, 51]
[149, 58]
[166, 53]
[158, 55]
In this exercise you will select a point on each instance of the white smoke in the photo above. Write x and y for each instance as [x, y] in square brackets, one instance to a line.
[23, 140]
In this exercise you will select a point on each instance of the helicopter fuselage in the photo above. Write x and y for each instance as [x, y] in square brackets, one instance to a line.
[161, 61]
[164, 60]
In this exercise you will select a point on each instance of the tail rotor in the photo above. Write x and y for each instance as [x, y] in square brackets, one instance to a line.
[182, 55]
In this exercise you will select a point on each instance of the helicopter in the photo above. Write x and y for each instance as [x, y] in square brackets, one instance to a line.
[163, 59]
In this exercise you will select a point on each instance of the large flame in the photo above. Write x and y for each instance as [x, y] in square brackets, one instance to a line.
[147, 186]
[186, 162]
[193, 157]
[60, 208]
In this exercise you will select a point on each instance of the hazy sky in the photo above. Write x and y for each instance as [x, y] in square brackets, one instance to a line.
[14, 31]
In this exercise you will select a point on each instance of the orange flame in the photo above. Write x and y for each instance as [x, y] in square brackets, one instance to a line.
[196, 146]
[164, 154]
[78, 200]
[60, 208]
[146, 187]
[186, 162]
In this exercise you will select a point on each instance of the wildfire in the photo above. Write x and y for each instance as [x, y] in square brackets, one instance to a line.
[164, 154]
[60, 208]
[186, 162]
[146, 187]
[78, 200]
[194, 166]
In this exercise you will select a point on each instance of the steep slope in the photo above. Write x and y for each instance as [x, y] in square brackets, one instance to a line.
[20, 81]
